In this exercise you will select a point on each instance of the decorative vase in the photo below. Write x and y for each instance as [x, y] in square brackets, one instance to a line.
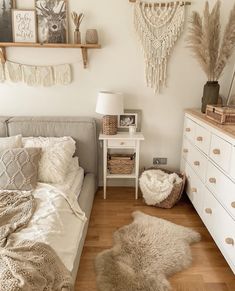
[210, 94]
[77, 36]
[92, 36]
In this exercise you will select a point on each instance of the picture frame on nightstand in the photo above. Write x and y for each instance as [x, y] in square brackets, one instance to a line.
[130, 117]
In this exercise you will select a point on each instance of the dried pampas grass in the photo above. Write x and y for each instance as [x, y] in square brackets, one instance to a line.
[204, 40]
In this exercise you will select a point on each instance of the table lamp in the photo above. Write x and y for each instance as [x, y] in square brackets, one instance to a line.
[110, 104]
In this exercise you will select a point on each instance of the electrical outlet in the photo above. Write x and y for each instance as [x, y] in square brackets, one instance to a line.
[159, 161]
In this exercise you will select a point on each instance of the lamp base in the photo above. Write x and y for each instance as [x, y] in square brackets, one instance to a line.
[110, 124]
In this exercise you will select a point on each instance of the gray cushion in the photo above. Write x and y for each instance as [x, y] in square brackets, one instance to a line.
[19, 168]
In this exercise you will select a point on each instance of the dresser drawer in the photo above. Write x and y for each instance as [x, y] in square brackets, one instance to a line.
[186, 149]
[232, 163]
[198, 162]
[220, 152]
[189, 129]
[194, 189]
[202, 139]
[222, 187]
[210, 212]
[118, 143]
[220, 224]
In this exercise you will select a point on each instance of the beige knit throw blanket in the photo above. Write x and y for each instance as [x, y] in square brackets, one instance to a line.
[26, 265]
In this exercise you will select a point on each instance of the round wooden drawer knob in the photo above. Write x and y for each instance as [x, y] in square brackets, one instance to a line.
[216, 151]
[196, 163]
[194, 190]
[122, 143]
[212, 180]
[208, 210]
[199, 138]
[187, 129]
[233, 204]
[229, 241]
[185, 151]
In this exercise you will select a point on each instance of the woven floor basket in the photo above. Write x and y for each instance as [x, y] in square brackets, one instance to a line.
[176, 192]
[121, 166]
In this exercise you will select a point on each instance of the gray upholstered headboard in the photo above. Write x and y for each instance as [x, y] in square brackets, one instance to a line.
[81, 129]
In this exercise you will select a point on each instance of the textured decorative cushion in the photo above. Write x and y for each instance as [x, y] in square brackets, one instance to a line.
[19, 168]
[11, 142]
[57, 154]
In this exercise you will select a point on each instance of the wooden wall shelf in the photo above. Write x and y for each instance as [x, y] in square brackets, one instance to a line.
[83, 47]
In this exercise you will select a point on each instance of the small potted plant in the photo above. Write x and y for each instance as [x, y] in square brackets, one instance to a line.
[211, 52]
[77, 20]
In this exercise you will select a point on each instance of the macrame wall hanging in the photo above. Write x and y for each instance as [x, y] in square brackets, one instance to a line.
[158, 26]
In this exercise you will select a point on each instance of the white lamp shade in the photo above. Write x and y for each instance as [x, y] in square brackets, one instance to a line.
[109, 103]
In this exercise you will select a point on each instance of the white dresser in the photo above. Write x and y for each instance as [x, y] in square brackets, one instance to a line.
[208, 159]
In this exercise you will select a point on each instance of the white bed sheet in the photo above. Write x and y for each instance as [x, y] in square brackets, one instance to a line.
[57, 221]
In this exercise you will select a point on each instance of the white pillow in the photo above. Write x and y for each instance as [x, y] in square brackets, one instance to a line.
[11, 142]
[57, 154]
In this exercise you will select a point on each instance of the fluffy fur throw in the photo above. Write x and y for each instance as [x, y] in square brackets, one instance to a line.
[157, 185]
[144, 254]
[26, 265]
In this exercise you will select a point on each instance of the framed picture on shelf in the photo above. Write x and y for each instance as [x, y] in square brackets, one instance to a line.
[52, 21]
[24, 25]
[130, 117]
[6, 20]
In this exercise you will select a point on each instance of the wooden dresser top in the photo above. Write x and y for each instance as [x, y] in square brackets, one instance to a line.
[226, 129]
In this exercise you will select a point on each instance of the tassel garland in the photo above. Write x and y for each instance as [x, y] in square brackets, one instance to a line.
[36, 75]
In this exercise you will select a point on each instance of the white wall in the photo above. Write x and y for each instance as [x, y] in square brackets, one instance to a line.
[119, 65]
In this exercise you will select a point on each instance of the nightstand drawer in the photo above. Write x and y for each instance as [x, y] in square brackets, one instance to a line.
[119, 143]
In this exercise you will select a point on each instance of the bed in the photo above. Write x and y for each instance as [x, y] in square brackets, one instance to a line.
[83, 131]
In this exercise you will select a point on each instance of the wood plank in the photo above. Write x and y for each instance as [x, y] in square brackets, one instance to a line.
[209, 270]
[50, 45]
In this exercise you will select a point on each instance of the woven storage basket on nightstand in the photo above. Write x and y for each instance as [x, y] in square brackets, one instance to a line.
[121, 164]
[176, 192]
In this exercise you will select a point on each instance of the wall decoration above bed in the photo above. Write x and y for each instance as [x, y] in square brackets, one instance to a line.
[5, 20]
[24, 25]
[36, 75]
[52, 21]
[158, 26]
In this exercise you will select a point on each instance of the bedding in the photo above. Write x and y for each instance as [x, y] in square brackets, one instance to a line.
[22, 263]
[57, 221]
[57, 153]
[19, 168]
[11, 142]
[73, 181]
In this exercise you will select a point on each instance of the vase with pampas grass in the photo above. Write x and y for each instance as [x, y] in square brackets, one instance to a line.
[212, 53]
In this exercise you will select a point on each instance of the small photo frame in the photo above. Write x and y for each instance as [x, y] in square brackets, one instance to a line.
[130, 117]
[24, 25]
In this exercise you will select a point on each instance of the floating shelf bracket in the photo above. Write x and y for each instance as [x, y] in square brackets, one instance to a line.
[84, 57]
[2, 55]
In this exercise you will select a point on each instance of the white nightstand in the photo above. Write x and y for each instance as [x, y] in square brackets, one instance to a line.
[122, 141]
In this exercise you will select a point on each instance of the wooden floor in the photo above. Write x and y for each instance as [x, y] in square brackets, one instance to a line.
[209, 272]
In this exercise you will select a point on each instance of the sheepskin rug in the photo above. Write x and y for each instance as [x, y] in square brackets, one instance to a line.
[144, 254]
